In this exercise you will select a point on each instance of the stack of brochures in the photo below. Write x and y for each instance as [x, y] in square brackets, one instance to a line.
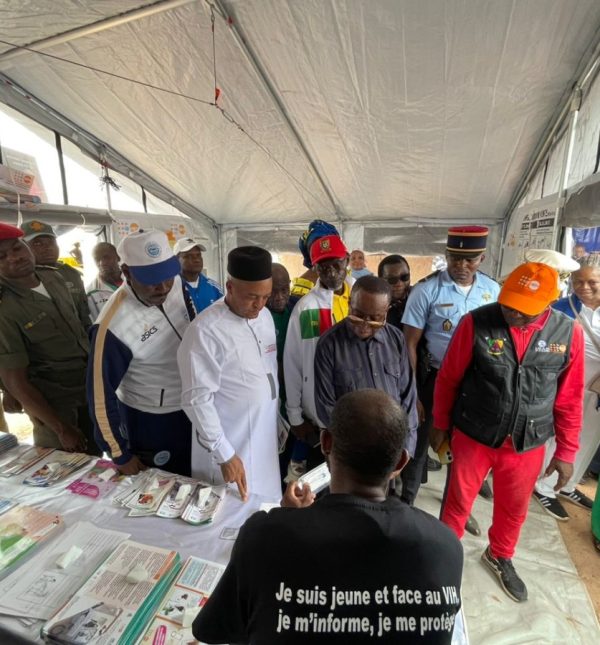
[19, 459]
[57, 467]
[7, 441]
[22, 529]
[173, 621]
[118, 601]
[155, 492]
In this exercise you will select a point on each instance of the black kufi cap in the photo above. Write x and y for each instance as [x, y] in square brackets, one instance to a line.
[250, 263]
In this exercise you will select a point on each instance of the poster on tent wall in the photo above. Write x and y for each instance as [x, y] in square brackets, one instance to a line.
[175, 228]
[20, 173]
[585, 240]
[531, 227]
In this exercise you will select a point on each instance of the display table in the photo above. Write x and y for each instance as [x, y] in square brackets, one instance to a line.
[204, 541]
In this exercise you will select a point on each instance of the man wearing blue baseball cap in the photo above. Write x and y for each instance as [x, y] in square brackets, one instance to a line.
[134, 388]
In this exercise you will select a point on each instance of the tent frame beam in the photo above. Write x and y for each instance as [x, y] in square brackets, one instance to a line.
[95, 27]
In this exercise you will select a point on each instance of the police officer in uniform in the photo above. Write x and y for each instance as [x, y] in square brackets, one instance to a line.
[433, 310]
[41, 239]
[43, 347]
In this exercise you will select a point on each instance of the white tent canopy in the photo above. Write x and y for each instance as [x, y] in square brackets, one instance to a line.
[380, 111]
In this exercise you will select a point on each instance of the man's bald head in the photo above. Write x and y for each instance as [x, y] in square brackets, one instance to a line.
[280, 294]
[368, 430]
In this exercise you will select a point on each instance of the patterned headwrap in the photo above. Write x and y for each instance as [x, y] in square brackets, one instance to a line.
[316, 229]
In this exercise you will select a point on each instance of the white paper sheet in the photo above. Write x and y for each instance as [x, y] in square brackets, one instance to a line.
[38, 587]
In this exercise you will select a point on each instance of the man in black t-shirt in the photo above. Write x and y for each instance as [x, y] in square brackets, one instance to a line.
[352, 567]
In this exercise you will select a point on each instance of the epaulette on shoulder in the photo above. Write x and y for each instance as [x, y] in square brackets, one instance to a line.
[430, 276]
[488, 276]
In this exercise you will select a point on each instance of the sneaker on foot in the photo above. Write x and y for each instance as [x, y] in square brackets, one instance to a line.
[578, 498]
[295, 470]
[472, 526]
[433, 464]
[504, 570]
[486, 490]
[552, 506]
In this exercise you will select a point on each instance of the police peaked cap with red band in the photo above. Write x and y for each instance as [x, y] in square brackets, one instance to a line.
[9, 232]
[467, 240]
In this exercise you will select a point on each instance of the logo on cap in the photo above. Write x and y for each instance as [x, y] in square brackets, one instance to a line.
[325, 245]
[534, 285]
[37, 226]
[152, 249]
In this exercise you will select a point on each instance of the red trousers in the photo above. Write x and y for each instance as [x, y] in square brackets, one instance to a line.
[514, 474]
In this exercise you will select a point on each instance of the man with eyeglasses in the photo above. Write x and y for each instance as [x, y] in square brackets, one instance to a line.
[362, 352]
[316, 312]
[433, 310]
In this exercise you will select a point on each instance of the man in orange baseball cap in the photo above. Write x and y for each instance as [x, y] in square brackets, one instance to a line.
[511, 379]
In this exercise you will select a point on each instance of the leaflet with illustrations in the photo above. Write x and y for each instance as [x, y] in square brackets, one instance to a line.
[118, 601]
[172, 624]
[97, 482]
[21, 530]
[42, 584]
[56, 468]
[150, 497]
[204, 505]
[20, 459]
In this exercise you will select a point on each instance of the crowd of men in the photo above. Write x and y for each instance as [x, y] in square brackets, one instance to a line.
[157, 366]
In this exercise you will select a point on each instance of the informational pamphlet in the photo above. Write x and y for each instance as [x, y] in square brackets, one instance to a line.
[19, 459]
[22, 529]
[56, 468]
[156, 492]
[118, 601]
[172, 623]
[42, 584]
[97, 482]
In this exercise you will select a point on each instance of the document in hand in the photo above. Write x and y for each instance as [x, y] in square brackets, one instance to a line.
[21, 530]
[114, 606]
[173, 621]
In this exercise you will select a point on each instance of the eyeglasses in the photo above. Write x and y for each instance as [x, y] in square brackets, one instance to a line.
[374, 324]
[394, 279]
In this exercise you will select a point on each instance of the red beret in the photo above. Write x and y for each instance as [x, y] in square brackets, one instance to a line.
[9, 232]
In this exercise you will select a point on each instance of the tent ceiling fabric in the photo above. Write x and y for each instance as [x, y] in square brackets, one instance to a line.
[404, 109]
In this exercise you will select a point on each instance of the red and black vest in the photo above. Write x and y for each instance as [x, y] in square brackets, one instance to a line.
[499, 396]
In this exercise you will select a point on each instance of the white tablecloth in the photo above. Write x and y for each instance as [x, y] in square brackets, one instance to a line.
[202, 541]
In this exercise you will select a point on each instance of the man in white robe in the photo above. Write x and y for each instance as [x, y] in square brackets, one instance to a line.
[228, 365]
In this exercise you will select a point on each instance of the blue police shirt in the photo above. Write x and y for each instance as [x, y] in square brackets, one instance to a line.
[203, 295]
[438, 304]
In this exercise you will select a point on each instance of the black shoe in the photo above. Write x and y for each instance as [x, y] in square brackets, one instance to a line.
[578, 498]
[472, 526]
[504, 570]
[486, 491]
[552, 506]
[433, 464]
